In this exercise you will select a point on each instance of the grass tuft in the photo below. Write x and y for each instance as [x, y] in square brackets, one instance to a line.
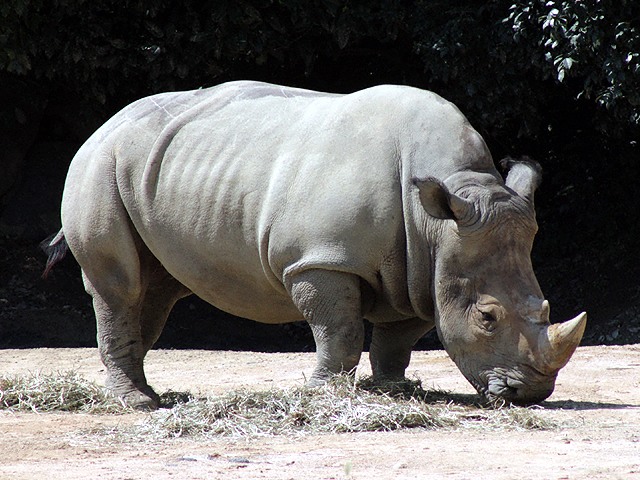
[61, 392]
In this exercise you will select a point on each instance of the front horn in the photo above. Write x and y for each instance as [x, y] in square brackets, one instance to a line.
[557, 342]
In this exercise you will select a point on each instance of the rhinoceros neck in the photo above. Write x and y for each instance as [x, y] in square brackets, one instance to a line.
[450, 150]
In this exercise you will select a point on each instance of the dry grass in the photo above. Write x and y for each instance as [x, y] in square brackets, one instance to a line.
[61, 392]
[340, 406]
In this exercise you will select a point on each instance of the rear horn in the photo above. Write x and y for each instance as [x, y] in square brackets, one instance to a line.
[525, 175]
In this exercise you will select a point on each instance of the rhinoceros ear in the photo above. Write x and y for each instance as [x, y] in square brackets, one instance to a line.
[440, 203]
[525, 174]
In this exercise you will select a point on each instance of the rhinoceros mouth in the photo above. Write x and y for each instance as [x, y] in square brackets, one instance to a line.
[523, 385]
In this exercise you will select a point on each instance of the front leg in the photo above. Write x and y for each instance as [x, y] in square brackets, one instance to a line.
[391, 346]
[330, 303]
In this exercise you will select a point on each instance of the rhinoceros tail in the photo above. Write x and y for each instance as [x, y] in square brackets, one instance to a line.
[56, 248]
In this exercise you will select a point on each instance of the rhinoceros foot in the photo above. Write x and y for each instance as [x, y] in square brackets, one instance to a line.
[139, 400]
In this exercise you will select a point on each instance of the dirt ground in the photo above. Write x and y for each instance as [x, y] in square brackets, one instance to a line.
[596, 405]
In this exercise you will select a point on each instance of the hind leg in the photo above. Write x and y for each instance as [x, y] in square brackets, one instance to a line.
[115, 266]
[121, 349]
[108, 251]
[161, 294]
[130, 319]
[105, 243]
[112, 274]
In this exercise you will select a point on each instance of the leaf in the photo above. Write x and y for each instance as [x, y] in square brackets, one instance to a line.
[567, 63]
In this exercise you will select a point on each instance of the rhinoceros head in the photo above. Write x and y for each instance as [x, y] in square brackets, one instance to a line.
[490, 313]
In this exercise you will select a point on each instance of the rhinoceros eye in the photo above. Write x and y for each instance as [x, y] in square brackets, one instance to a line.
[489, 313]
[488, 318]
[488, 321]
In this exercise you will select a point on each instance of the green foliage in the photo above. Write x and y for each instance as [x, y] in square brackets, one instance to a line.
[472, 59]
[519, 70]
[592, 44]
[523, 69]
[109, 49]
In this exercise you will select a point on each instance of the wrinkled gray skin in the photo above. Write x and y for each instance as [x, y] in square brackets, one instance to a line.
[278, 204]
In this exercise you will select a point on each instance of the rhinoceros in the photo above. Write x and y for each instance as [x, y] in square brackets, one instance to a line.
[279, 204]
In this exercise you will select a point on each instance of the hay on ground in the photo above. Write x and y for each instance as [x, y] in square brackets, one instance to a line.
[340, 406]
[61, 392]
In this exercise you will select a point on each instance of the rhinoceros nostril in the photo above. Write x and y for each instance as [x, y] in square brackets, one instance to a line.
[500, 388]
[514, 384]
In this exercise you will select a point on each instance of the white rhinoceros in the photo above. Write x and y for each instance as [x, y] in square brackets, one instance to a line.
[278, 204]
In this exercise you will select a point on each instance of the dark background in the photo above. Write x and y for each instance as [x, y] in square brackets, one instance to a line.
[556, 80]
